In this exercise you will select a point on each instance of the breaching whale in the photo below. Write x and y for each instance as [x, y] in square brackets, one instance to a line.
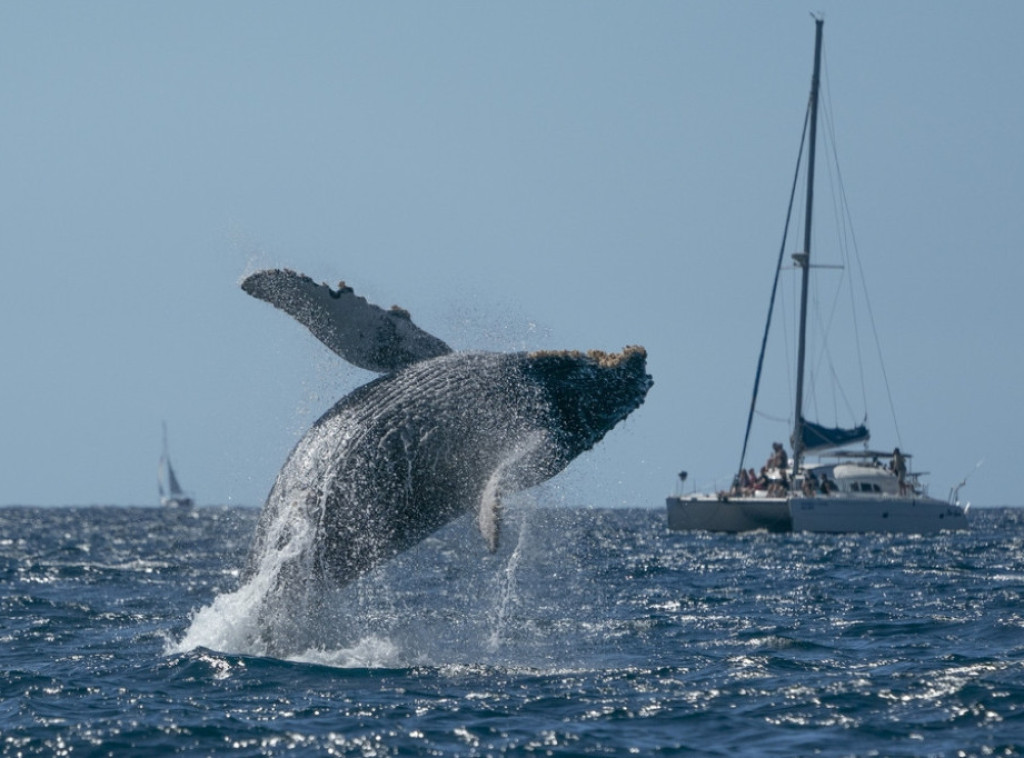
[439, 434]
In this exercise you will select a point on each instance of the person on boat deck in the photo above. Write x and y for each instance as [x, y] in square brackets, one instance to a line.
[737, 486]
[899, 467]
[761, 483]
[778, 458]
[810, 484]
[745, 483]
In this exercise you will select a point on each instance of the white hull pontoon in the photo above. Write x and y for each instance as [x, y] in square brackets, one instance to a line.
[832, 513]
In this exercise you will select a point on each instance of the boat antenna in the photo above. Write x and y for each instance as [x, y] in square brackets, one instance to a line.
[804, 259]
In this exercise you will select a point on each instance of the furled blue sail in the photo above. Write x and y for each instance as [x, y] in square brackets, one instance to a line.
[818, 437]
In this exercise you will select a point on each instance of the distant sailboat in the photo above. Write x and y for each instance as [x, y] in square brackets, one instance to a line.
[171, 494]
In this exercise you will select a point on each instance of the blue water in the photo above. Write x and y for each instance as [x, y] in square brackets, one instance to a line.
[590, 632]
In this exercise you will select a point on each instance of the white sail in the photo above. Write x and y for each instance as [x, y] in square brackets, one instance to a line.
[171, 492]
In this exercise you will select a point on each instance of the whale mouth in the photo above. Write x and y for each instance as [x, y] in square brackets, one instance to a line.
[590, 392]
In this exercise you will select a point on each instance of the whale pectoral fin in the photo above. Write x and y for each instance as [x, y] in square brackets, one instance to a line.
[362, 333]
[488, 518]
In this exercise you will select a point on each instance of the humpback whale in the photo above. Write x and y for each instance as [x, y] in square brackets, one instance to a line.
[438, 434]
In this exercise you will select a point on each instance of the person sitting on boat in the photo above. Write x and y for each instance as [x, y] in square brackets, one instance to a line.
[761, 483]
[736, 489]
[810, 484]
[745, 484]
[899, 467]
[827, 485]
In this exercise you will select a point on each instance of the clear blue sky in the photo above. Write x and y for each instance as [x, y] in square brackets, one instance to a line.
[517, 175]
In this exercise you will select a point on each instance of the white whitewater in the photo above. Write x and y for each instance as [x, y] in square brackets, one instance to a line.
[358, 625]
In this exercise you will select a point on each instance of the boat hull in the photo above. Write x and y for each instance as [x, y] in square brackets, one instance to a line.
[729, 515]
[835, 514]
[909, 515]
[177, 502]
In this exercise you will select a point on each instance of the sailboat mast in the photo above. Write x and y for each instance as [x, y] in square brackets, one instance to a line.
[804, 259]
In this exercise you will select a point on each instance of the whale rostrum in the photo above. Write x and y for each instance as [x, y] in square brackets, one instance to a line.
[437, 435]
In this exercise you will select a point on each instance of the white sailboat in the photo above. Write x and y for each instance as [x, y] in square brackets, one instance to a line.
[859, 490]
[171, 493]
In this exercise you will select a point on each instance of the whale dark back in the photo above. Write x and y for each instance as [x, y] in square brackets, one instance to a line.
[403, 455]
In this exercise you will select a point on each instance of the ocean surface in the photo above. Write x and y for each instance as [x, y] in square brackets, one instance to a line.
[590, 632]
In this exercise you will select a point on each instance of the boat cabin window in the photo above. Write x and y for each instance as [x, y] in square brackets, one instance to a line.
[864, 487]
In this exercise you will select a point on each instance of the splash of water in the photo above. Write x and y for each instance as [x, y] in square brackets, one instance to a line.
[507, 591]
[238, 621]
[281, 611]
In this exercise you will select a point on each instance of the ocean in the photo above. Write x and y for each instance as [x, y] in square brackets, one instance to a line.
[589, 632]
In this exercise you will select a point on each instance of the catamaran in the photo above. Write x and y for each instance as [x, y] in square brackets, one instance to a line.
[858, 490]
